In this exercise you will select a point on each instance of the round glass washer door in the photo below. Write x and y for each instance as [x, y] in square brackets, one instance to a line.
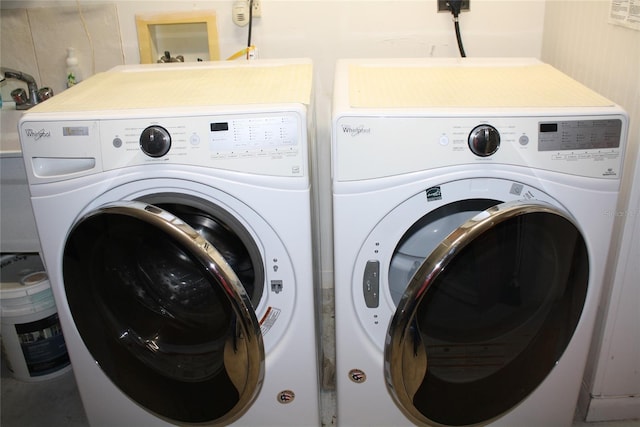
[161, 291]
[487, 313]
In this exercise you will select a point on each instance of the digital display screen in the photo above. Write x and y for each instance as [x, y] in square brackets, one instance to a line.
[221, 126]
[548, 127]
[579, 135]
[75, 131]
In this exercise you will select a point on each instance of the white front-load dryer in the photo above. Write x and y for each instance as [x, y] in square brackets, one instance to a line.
[473, 207]
[176, 231]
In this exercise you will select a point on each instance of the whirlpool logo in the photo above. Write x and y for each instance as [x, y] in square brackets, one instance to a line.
[37, 134]
[355, 130]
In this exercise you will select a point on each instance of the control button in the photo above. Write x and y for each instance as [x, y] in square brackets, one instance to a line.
[117, 142]
[444, 140]
[371, 284]
[276, 286]
[484, 140]
[195, 139]
[155, 141]
[524, 140]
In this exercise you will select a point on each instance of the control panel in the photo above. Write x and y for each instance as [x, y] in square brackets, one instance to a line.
[269, 143]
[373, 147]
[579, 135]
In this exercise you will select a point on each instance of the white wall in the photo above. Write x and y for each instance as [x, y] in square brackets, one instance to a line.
[34, 40]
[579, 40]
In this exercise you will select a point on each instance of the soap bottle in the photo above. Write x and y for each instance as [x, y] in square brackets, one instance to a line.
[73, 70]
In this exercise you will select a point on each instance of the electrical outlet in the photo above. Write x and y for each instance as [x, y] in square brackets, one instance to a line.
[256, 10]
[443, 6]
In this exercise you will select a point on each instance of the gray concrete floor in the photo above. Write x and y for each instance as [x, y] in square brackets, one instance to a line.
[54, 402]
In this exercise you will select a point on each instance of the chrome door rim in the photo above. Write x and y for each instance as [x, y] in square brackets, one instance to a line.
[248, 328]
[398, 346]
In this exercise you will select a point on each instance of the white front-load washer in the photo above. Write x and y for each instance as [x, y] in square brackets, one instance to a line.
[473, 207]
[173, 209]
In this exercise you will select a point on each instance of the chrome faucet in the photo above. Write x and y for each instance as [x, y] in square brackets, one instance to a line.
[19, 95]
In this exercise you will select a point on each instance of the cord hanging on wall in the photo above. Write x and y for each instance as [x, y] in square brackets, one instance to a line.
[455, 6]
[243, 12]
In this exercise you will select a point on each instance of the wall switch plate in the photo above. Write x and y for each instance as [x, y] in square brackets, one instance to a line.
[443, 6]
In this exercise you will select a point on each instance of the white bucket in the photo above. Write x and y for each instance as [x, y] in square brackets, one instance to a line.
[32, 341]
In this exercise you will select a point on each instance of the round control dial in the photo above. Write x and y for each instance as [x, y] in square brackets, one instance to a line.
[155, 141]
[484, 140]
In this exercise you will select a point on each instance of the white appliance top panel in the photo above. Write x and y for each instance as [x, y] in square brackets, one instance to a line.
[460, 83]
[188, 85]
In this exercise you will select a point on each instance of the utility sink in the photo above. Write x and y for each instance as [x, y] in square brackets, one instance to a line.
[17, 224]
[9, 142]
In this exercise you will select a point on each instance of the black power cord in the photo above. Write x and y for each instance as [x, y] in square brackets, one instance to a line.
[250, 26]
[454, 7]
